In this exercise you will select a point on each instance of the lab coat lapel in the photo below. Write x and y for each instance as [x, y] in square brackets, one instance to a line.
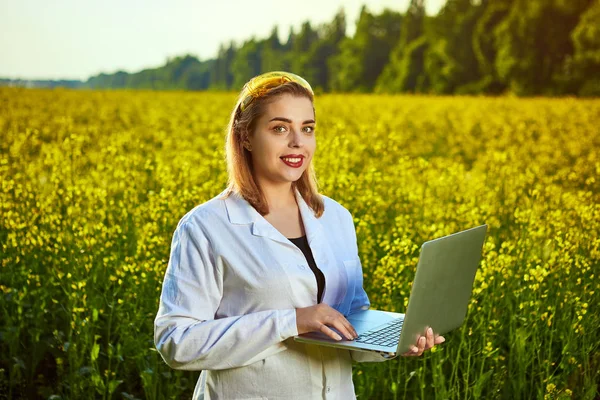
[312, 227]
[335, 278]
[242, 212]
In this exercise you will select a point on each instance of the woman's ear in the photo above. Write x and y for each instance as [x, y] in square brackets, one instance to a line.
[245, 140]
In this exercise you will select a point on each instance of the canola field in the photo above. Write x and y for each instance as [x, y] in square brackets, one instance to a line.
[93, 184]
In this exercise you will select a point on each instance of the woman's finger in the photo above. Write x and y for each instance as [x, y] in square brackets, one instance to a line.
[347, 324]
[353, 330]
[329, 332]
[430, 341]
[341, 327]
[350, 328]
[422, 346]
[422, 342]
[412, 352]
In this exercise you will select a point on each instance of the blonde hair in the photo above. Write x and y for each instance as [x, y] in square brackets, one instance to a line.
[239, 162]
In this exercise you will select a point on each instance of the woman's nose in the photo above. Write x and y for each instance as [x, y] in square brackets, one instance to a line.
[296, 138]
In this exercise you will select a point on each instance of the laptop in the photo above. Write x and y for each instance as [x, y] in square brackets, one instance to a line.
[439, 298]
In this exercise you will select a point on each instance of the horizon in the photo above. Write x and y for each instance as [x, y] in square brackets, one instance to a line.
[49, 32]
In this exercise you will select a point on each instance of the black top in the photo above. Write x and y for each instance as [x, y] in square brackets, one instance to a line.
[302, 243]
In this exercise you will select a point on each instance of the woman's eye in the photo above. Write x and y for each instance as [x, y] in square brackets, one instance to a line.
[311, 128]
[277, 128]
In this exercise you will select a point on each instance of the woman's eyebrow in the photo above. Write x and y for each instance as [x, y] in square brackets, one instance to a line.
[289, 121]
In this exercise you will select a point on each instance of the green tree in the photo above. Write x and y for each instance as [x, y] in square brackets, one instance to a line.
[586, 60]
[362, 57]
[273, 53]
[198, 78]
[450, 62]
[484, 46]
[405, 71]
[534, 45]
[303, 41]
[316, 68]
[221, 76]
[287, 49]
[247, 62]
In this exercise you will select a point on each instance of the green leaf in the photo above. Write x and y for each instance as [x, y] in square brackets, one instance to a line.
[98, 383]
[112, 385]
[481, 383]
[95, 351]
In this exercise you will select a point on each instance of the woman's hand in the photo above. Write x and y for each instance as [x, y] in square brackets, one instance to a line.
[425, 343]
[319, 317]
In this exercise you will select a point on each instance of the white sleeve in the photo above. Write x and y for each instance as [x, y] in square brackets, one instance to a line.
[185, 332]
[361, 302]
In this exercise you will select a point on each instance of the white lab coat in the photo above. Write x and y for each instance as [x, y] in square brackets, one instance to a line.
[229, 295]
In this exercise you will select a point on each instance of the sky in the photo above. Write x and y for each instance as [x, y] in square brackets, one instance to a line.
[75, 39]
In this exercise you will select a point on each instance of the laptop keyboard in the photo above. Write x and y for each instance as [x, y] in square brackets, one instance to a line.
[386, 335]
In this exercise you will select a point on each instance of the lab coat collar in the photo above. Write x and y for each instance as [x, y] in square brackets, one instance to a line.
[242, 212]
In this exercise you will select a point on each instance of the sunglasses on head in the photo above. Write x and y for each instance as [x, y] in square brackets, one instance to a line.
[262, 84]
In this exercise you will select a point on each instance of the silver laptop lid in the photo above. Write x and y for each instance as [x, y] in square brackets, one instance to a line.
[443, 284]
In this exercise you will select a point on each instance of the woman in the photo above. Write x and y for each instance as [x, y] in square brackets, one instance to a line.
[265, 260]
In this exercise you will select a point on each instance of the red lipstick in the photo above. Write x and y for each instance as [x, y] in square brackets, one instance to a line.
[298, 164]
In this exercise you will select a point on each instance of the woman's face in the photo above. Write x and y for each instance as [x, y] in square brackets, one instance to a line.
[285, 130]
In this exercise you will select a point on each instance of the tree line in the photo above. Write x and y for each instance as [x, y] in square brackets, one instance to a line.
[525, 47]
